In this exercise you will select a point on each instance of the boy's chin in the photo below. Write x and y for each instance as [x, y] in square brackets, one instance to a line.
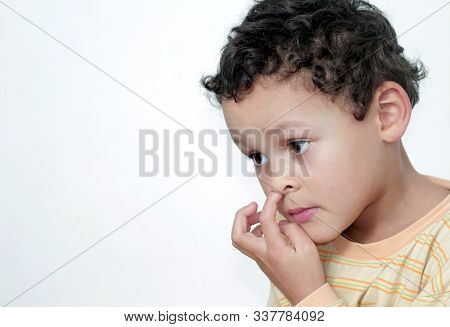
[321, 237]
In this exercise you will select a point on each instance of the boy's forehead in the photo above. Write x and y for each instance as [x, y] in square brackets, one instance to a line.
[271, 104]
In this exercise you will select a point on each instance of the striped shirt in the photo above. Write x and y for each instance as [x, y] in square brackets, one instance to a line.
[411, 268]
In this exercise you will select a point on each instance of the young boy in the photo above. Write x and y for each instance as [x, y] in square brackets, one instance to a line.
[348, 221]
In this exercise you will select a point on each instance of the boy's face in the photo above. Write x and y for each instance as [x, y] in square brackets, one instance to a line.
[336, 167]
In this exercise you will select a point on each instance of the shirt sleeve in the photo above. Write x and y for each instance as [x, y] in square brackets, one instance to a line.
[276, 298]
[436, 291]
[324, 296]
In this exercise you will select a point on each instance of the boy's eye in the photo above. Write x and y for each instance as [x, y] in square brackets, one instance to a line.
[299, 147]
[258, 158]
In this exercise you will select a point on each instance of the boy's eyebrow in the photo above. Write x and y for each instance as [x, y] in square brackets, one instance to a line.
[289, 123]
[281, 125]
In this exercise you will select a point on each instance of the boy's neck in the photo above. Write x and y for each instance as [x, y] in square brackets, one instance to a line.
[407, 198]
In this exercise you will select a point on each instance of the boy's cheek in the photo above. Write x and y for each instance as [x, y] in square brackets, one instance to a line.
[265, 187]
[339, 192]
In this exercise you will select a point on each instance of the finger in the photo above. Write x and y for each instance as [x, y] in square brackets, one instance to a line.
[257, 231]
[253, 219]
[248, 243]
[282, 222]
[281, 225]
[269, 226]
[251, 245]
[296, 235]
[240, 224]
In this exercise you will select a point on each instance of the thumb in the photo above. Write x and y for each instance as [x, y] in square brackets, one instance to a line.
[296, 235]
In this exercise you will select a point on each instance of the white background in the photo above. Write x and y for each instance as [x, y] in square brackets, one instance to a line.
[69, 150]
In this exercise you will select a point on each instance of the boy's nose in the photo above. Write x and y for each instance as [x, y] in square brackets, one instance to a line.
[290, 187]
[287, 188]
[286, 185]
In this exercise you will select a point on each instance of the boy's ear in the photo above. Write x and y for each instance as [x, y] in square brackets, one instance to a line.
[392, 109]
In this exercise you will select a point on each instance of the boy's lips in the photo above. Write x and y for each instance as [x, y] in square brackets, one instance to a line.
[301, 215]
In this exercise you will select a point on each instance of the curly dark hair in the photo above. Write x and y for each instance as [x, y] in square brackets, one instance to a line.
[348, 47]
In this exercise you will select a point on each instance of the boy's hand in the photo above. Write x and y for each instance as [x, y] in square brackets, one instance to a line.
[295, 269]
